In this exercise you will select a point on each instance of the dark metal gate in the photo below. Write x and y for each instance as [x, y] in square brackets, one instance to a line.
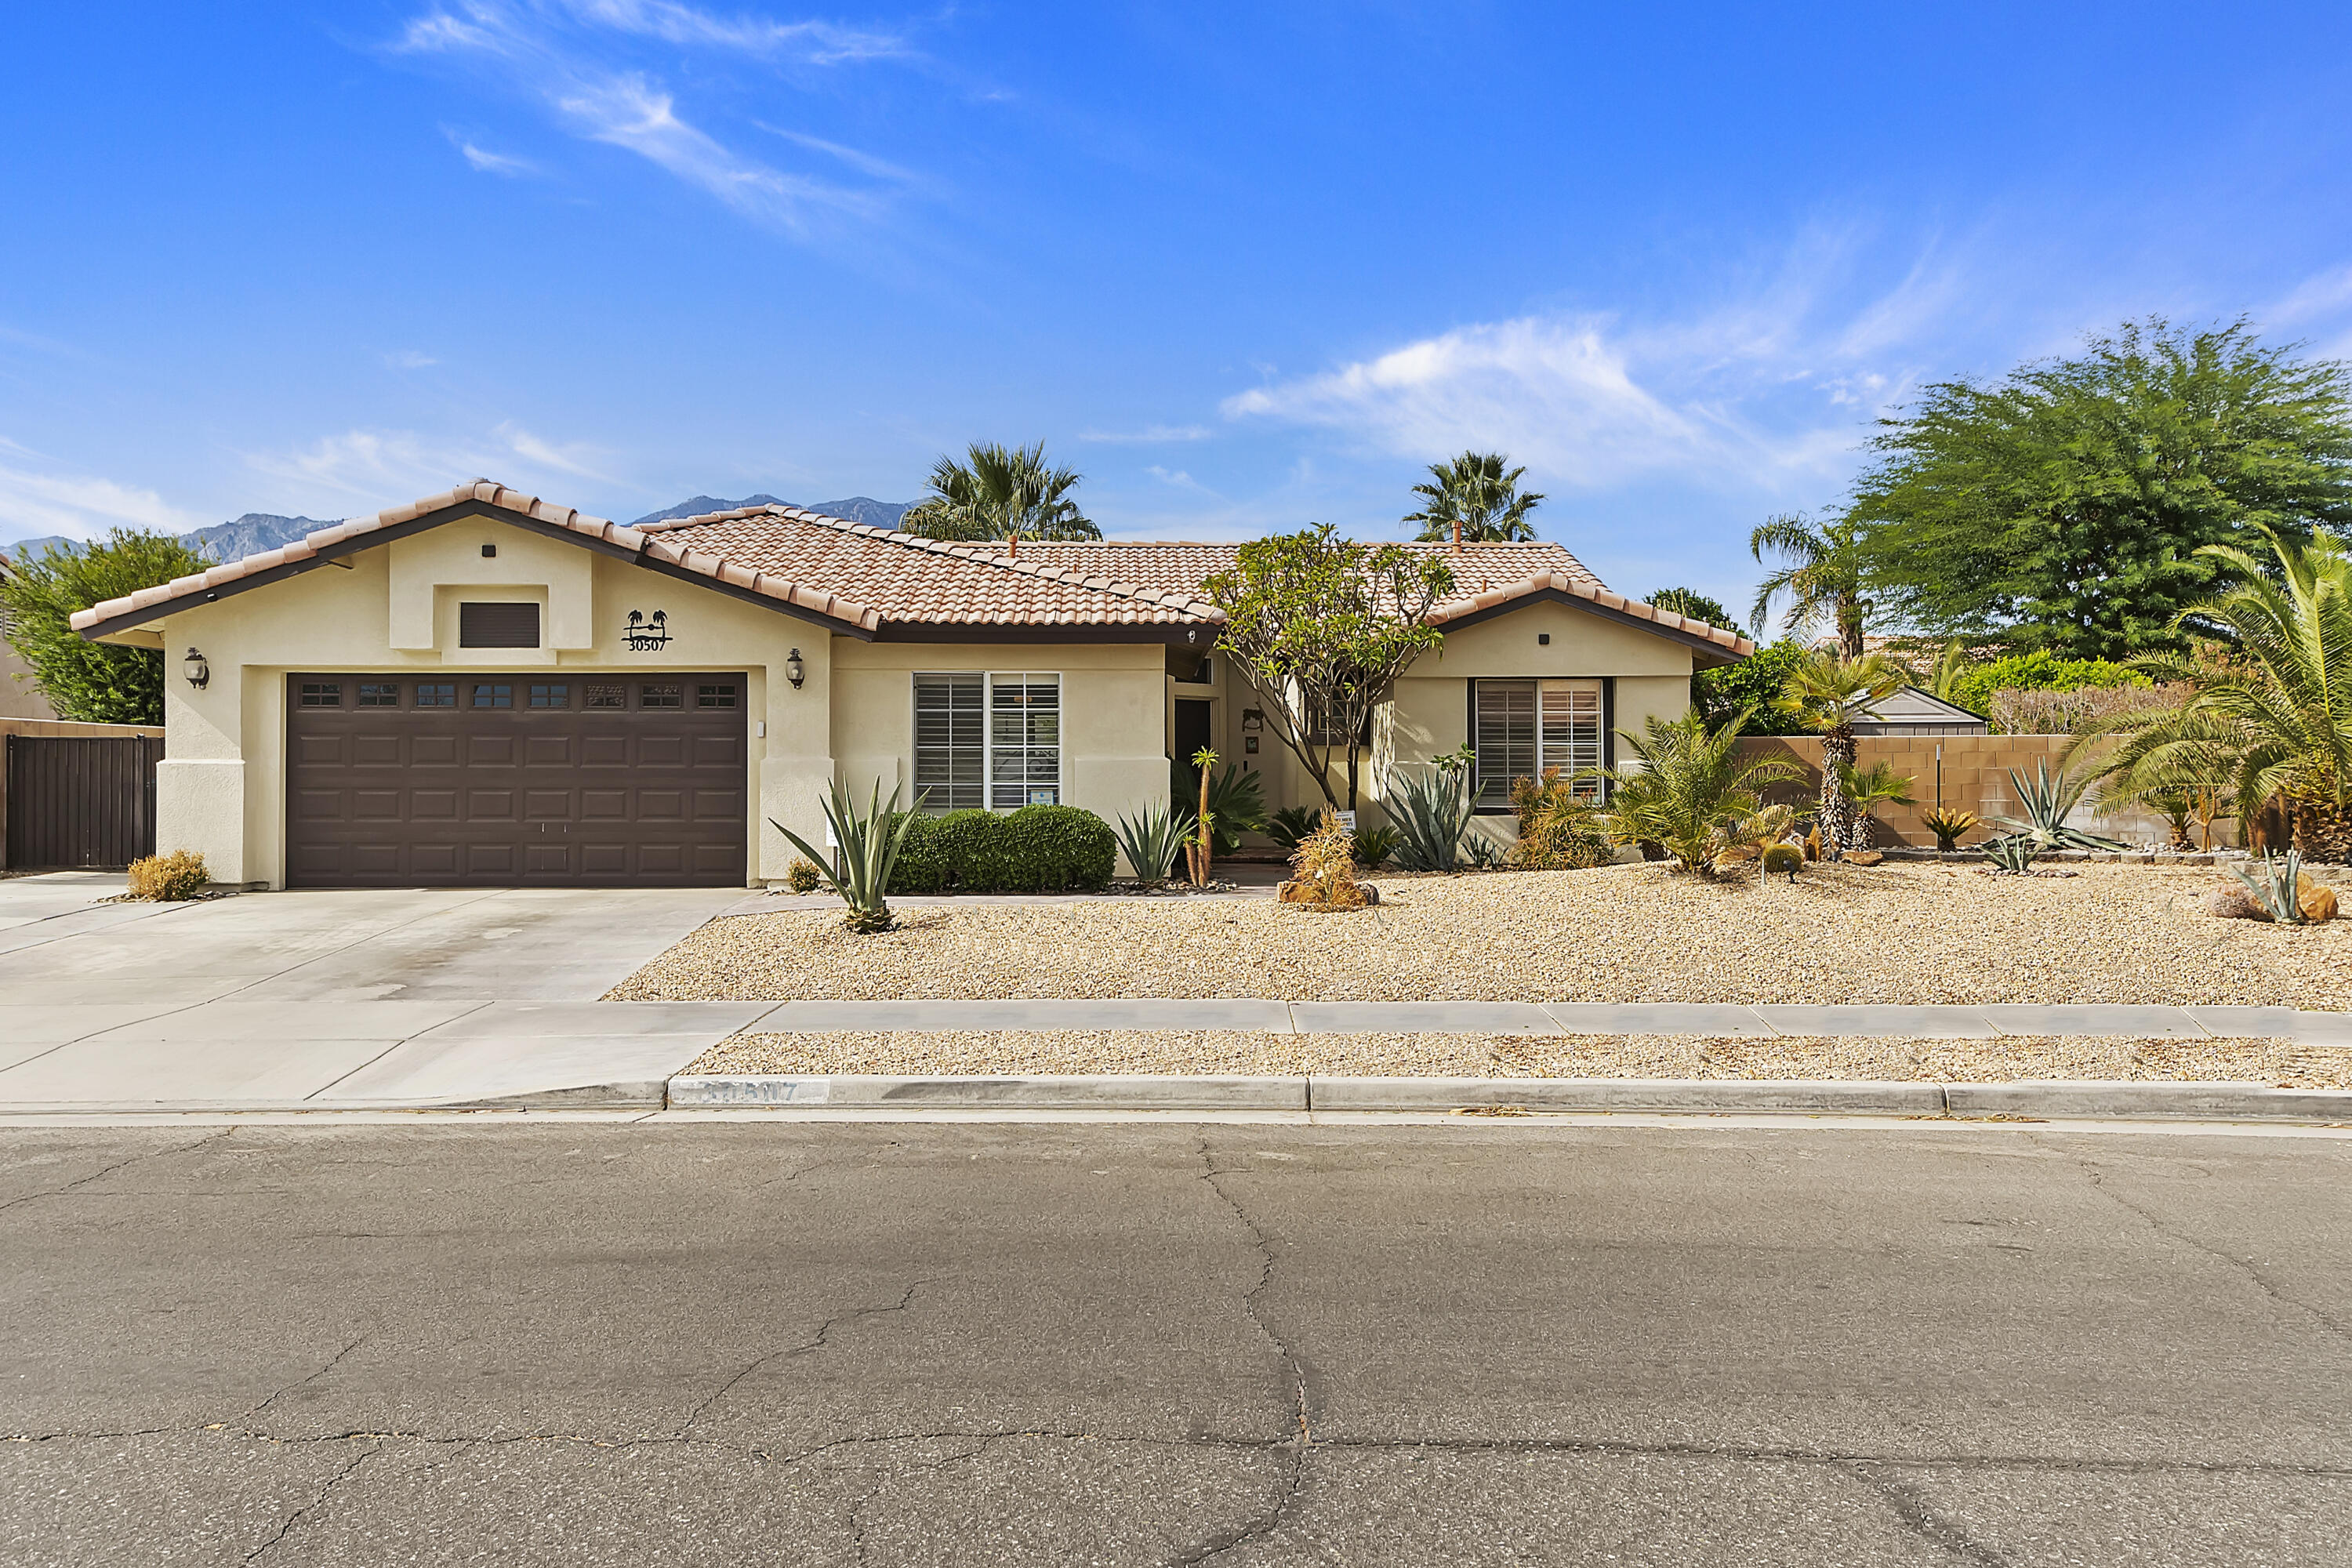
[79, 800]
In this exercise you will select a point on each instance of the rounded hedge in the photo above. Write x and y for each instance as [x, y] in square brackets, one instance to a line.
[1037, 849]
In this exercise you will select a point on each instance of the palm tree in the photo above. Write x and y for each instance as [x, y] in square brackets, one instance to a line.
[1876, 785]
[1821, 572]
[1828, 693]
[1692, 790]
[1474, 502]
[2273, 723]
[1000, 494]
[2178, 763]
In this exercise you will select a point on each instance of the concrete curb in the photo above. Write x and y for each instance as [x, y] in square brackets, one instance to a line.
[1042, 1091]
[2203, 1102]
[1801, 1097]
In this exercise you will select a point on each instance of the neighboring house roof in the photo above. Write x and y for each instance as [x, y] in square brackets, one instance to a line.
[1914, 711]
[872, 582]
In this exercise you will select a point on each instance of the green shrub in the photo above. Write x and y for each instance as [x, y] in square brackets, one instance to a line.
[1751, 686]
[1290, 827]
[169, 879]
[2041, 670]
[1051, 848]
[1037, 849]
[1559, 829]
[1375, 846]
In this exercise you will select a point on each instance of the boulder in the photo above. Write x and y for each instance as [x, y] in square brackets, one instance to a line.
[2317, 898]
[1863, 857]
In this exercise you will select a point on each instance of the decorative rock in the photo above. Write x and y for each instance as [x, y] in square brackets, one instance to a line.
[2317, 898]
[1863, 857]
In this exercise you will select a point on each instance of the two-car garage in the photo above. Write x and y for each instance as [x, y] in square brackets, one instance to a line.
[537, 778]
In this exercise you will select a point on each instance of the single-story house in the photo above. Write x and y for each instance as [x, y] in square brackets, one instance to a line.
[485, 689]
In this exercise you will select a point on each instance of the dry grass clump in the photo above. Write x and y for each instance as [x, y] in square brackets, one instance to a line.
[1894, 933]
[2281, 1063]
[169, 879]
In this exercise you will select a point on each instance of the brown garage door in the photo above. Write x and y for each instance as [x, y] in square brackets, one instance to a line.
[526, 780]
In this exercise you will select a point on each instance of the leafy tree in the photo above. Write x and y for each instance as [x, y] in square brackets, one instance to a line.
[1690, 602]
[1320, 627]
[93, 683]
[1829, 694]
[2066, 505]
[1822, 572]
[1751, 686]
[1692, 789]
[1000, 493]
[1474, 493]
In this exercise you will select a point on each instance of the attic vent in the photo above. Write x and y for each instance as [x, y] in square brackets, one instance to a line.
[495, 625]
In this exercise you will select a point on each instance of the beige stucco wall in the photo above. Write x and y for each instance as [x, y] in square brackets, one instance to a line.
[222, 788]
[1114, 746]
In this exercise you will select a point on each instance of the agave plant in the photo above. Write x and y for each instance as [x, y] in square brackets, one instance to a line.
[859, 869]
[2013, 853]
[1432, 813]
[2276, 886]
[2047, 801]
[1154, 841]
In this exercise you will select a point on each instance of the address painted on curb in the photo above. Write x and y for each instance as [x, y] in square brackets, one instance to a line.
[750, 1091]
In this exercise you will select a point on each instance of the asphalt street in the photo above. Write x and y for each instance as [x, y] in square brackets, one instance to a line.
[859, 1343]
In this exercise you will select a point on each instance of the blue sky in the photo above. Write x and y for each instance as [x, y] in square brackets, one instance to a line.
[1245, 266]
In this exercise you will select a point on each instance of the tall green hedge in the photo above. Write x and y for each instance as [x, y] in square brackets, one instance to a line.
[2041, 670]
[1037, 849]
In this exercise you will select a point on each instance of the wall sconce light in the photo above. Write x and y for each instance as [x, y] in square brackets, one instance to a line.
[795, 671]
[198, 672]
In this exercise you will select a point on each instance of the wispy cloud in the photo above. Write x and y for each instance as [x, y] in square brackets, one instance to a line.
[1149, 436]
[572, 54]
[409, 359]
[37, 500]
[381, 468]
[501, 164]
[1771, 390]
[818, 43]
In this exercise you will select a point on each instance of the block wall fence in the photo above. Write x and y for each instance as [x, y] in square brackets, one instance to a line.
[1975, 773]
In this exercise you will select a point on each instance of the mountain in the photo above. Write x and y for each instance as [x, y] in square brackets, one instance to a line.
[857, 509]
[248, 535]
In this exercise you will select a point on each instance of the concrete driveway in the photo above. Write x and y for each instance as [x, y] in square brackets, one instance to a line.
[342, 998]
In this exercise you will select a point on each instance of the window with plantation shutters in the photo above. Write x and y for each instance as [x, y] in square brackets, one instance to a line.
[1024, 741]
[987, 739]
[950, 741]
[1522, 729]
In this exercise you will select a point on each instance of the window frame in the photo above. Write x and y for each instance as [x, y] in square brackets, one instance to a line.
[1606, 747]
[989, 748]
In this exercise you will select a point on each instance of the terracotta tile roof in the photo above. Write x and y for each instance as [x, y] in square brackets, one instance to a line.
[1588, 589]
[912, 579]
[867, 579]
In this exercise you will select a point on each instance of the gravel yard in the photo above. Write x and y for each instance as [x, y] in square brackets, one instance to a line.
[2281, 1063]
[1899, 933]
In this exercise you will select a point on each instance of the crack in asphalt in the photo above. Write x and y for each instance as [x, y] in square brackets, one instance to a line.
[299, 1514]
[332, 1361]
[824, 1334]
[1271, 1520]
[2245, 1266]
[857, 1526]
[118, 1165]
[1567, 1447]
[1909, 1504]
